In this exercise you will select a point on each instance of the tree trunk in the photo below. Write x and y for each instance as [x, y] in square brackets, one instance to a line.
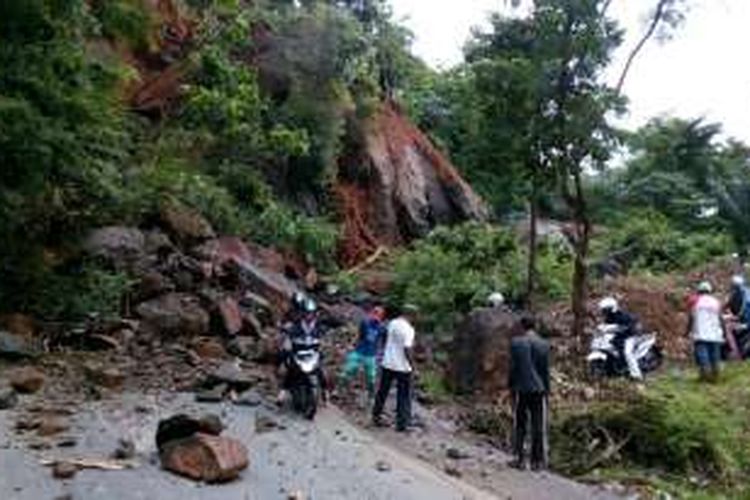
[580, 281]
[580, 269]
[533, 217]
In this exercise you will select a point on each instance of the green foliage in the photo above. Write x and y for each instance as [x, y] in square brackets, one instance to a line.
[174, 179]
[124, 20]
[649, 241]
[433, 383]
[63, 139]
[678, 427]
[471, 261]
[72, 295]
[679, 169]
[313, 238]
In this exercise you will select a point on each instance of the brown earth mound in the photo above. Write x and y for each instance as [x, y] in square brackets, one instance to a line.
[402, 187]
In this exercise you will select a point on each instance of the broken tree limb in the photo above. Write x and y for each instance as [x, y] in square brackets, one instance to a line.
[92, 463]
[369, 260]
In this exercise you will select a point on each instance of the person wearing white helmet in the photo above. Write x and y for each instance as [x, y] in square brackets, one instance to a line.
[495, 300]
[628, 328]
[706, 327]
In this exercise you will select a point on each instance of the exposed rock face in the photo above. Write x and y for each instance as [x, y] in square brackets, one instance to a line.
[175, 314]
[409, 188]
[481, 351]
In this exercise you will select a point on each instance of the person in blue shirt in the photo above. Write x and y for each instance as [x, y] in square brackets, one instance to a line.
[371, 333]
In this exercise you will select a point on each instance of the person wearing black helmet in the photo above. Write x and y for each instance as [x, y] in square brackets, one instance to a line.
[303, 330]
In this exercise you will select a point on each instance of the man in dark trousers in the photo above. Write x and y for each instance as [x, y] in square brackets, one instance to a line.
[528, 380]
[397, 365]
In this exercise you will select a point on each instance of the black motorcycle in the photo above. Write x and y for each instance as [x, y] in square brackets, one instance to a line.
[303, 375]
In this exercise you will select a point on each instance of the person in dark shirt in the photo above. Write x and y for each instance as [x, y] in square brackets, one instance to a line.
[528, 380]
[628, 327]
[371, 335]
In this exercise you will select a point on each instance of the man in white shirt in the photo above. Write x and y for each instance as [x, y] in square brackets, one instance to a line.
[707, 330]
[397, 365]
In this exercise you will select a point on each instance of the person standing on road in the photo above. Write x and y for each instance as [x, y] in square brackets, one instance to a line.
[528, 380]
[371, 330]
[397, 365]
[706, 326]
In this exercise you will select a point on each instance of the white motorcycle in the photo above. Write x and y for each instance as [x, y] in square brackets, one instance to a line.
[606, 360]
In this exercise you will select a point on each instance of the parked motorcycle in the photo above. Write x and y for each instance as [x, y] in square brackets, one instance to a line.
[606, 360]
[738, 343]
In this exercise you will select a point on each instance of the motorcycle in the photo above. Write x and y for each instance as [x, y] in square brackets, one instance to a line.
[738, 343]
[606, 360]
[303, 365]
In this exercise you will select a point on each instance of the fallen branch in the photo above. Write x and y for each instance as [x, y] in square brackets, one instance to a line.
[612, 450]
[369, 260]
[93, 463]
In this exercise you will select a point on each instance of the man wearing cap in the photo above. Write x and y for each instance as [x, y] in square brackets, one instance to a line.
[706, 327]
[397, 365]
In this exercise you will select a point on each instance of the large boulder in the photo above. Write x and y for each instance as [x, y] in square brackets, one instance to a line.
[407, 188]
[182, 426]
[20, 325]
[16, 347]
[192, 447]
[203, 457]
[230, 315]
[480, 352]
[186, 224]
[231, 256]
[26, 380]
[174, 314]
[117, 245]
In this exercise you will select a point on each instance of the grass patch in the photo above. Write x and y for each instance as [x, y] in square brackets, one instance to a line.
[678, 435]
[434, 386]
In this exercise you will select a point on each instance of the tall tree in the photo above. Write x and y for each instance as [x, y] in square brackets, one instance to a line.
[560, 51]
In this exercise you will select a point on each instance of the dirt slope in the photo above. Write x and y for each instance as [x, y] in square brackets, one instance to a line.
[400, 187]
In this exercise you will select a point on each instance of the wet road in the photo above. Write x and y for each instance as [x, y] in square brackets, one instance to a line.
[330, 459]
[327, 459]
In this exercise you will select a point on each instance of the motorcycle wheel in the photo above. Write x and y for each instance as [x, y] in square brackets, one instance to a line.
[598, 369]
[652, 361]
[297, 399]
[310, 402]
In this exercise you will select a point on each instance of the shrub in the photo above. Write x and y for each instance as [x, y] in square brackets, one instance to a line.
[313, 238]
[455, 269]
[73, 294]
[677, 427]
[650, 242]
[178, 180]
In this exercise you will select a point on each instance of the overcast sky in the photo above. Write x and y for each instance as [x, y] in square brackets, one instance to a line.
[703, 71]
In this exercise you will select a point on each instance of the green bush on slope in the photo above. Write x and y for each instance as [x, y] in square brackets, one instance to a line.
[677, 429]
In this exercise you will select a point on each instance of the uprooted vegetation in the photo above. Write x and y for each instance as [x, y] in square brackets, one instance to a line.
[692, 437]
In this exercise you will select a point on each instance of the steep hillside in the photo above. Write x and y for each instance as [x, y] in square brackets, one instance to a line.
[398, 186]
